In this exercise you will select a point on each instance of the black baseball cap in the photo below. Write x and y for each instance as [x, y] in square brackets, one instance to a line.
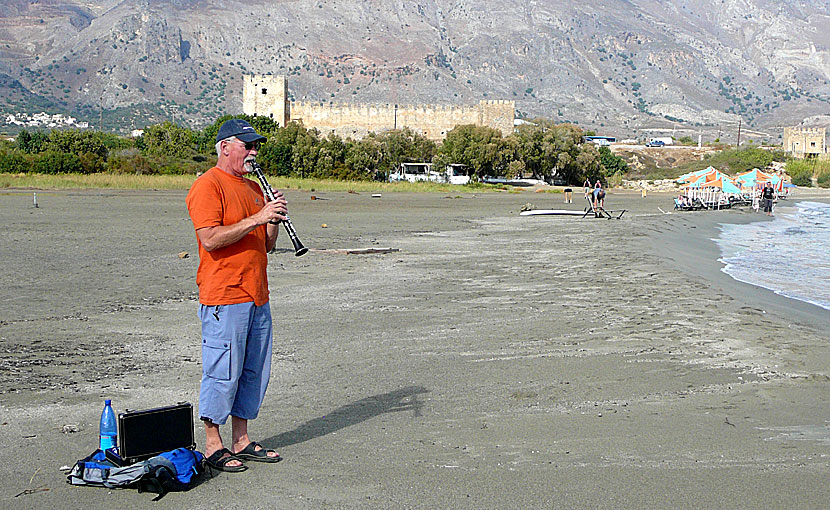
[241, 130]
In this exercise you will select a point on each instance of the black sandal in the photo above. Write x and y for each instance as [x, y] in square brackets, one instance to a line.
[219, 461]
[250, 452]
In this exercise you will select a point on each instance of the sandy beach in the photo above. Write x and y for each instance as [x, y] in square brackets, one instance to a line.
[494, 361]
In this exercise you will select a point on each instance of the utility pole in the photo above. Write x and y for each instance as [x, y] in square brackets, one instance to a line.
[739, 133]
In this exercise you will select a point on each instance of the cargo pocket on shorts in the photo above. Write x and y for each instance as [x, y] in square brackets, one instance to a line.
[216, 358]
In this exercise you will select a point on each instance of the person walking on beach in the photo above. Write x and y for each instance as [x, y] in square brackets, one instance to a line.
[234, 232]
[768, 195]
[587, 186]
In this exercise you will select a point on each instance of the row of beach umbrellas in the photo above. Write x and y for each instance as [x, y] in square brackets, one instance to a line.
[712, 178]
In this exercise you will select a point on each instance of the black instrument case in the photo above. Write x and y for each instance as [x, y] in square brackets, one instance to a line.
[143, 434]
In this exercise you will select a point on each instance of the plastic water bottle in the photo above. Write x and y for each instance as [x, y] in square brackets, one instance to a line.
[108, 429]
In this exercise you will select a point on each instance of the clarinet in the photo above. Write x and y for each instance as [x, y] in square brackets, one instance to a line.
[299, 249]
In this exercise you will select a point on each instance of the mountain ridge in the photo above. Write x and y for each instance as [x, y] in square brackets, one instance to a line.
[625, 66]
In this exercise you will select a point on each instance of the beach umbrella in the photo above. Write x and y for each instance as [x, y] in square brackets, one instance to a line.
[776, 181]
[752, 177]
[730, 186]
[693, 176]
[701, 178]
[712, 176]
[725, 185]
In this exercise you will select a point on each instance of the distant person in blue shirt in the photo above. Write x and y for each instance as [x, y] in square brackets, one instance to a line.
[599, 196]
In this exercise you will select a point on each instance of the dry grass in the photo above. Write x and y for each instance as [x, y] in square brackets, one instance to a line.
[95, 181]
[129, 181]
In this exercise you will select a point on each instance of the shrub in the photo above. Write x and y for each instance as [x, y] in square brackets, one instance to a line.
[14, 162]
[173, 166]
[91, 163]
[129, 161]
[801, 172]
[54, 162]
[823, 177]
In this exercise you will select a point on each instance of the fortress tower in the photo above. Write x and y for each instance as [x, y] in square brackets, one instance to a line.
[805, 142]
[267, 95]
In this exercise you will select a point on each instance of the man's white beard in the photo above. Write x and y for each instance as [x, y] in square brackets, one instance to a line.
[246, 165]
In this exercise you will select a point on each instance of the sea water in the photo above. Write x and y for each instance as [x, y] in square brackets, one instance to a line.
[789, 255]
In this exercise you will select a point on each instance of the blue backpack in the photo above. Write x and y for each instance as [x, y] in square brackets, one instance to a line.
[171, 471]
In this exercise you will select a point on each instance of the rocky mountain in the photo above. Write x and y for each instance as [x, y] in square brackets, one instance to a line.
[623, 67]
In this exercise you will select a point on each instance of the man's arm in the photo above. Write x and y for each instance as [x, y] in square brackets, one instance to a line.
[219, 236]
[272, 231]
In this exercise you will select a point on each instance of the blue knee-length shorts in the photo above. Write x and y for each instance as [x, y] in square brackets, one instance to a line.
[236, 360]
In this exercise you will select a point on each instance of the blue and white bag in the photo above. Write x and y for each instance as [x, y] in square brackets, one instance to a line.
[176, 470]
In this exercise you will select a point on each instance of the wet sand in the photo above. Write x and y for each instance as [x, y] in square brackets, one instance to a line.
[495, 361]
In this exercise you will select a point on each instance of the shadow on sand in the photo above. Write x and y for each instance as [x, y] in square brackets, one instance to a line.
[404, 399]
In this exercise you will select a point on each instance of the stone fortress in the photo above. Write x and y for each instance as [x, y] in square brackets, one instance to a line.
[267, 95]
[805, 142]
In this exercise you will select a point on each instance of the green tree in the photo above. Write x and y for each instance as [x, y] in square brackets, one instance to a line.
[169, 139]
[31, 143]
[611, 162]
[364, 158]
[275, 158]
[478, 147]
[76, 141]
[402, 146]
[531, 150]
[589, 163]
[305, 153]
[550, 149]
[563, 143]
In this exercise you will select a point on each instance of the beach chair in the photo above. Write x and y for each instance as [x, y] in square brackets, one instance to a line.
[683, 205]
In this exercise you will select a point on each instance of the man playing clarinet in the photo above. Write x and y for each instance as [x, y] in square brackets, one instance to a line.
[234, 230]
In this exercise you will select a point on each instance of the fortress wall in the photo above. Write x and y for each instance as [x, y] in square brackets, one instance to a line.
[345, 120]
[498, 114]
[267, 95]
[435, 121]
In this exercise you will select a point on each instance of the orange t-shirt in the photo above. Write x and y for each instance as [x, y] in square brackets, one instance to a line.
[235, 273]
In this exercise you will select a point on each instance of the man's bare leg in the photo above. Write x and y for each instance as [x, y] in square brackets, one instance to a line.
[239, 427]
[213, 443]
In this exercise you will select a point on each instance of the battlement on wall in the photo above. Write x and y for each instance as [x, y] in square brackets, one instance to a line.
[267, 95]
[805, 131]
[384, 106]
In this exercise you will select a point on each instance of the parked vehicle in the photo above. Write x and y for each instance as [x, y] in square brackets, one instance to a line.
[655, 143]
[413, 172]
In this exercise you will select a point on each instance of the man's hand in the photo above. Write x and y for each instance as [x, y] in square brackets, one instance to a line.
[275, 210]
